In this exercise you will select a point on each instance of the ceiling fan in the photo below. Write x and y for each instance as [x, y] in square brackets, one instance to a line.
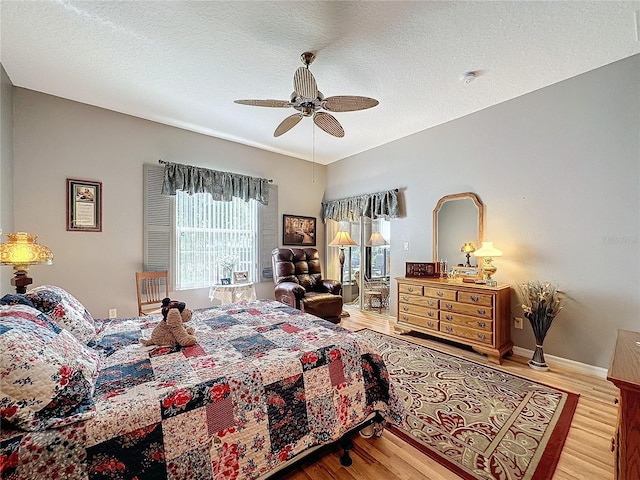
[308, 100]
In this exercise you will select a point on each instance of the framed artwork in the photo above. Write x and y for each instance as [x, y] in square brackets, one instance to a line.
[225, 281]
[84, 205]
[298, 231]
[240, 277]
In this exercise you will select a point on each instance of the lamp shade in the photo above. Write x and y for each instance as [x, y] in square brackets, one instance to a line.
[488, 250]
[22, 250]
[376, 240]
[342, 239]
[468, 247]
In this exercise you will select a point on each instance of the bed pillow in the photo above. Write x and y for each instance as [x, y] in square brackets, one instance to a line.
[65, 310]
[47, 376]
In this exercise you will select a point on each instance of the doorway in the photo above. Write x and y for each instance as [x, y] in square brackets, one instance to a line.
[367, 265]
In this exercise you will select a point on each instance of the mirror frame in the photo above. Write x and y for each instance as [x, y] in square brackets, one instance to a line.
[457, 196]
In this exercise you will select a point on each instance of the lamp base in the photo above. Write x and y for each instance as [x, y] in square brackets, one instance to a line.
[20, 281]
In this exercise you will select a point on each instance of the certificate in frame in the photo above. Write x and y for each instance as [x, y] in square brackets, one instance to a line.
[84, 205]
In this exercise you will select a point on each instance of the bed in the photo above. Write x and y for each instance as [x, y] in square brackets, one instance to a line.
[263, 385]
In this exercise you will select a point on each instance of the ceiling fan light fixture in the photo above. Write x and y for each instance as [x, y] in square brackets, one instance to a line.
[308, 101]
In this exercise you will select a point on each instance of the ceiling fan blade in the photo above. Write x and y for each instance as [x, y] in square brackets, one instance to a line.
[348, 103]
[329, 124]
[264, 103]
[305, 84]
[287, 124]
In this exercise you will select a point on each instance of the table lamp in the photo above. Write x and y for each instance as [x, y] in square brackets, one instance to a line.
[468, 248]
[342, 239]
[487, 251]
[22, 251]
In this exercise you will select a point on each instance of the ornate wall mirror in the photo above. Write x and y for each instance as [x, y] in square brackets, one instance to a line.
[457, 219]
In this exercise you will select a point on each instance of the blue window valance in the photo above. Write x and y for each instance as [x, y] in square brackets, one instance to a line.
[222, 186]
[372, 205]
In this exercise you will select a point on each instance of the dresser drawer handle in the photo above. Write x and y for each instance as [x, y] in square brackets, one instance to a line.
[430, 313]
[431, 303]
[448, 328]
[430, 324]
[616, 401]
[410, 289]
[440, 294]
[613, 444]
[405, 298]
[405, 308]
[405, 318]
[448, 317]
[482, 324]
[482, 336]
[482, 311]
[474, 298]
[448, 306]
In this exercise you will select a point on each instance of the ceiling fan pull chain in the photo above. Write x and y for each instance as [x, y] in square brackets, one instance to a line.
[313, 153]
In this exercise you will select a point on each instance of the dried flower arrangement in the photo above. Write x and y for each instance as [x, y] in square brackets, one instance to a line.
[541, 302]
[227, 262]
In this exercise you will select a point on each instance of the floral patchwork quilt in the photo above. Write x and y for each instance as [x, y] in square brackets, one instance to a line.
[263, 384]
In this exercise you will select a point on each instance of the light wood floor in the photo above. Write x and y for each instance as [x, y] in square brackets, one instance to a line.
[586, 454]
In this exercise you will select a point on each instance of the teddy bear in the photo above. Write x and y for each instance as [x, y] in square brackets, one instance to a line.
[171, 330]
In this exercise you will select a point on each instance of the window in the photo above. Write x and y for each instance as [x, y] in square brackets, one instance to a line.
[160, 235]
[214, 238]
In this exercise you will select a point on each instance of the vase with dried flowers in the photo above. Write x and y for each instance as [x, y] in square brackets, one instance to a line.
[226, 263]
[541, 302]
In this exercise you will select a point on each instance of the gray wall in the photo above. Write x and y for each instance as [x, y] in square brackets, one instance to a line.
[6, 168]
[559, 173]
[56, 139]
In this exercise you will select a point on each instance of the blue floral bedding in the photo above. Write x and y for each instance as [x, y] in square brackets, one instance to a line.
[263, 383]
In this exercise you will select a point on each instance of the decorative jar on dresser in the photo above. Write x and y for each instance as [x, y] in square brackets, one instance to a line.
[467, 313]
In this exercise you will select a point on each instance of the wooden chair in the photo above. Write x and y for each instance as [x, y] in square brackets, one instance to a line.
[152, 287]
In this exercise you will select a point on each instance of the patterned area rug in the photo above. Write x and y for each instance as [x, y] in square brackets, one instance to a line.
[479, 422]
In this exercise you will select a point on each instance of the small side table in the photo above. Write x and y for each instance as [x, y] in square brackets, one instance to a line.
[233, 293]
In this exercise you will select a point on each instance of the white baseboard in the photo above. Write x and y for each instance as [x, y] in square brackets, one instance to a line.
[582, 368]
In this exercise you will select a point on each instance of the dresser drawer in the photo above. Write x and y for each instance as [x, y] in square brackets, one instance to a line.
[420, 321]
[476, 298]
[467, 333]
[422, 301]
[408, 308]
[410, 289]
[440, 293]
[466, 309]
[466, 321]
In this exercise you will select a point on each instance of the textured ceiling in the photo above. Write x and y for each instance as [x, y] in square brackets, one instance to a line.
[183, 63]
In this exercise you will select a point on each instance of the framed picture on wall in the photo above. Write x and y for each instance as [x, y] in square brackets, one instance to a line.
[298, 231]
[84, 205]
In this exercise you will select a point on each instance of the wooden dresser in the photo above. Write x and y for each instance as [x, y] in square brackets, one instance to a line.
[624, 373]
[466, 313]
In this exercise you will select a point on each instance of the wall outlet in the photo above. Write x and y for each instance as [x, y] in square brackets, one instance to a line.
[113, 313]
[406, 245]
[517, 322]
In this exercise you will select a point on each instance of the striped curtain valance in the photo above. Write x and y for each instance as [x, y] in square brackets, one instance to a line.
[221, 186]
[372, 205]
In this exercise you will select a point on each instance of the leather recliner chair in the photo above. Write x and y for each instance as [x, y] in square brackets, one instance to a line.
[299, 283]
